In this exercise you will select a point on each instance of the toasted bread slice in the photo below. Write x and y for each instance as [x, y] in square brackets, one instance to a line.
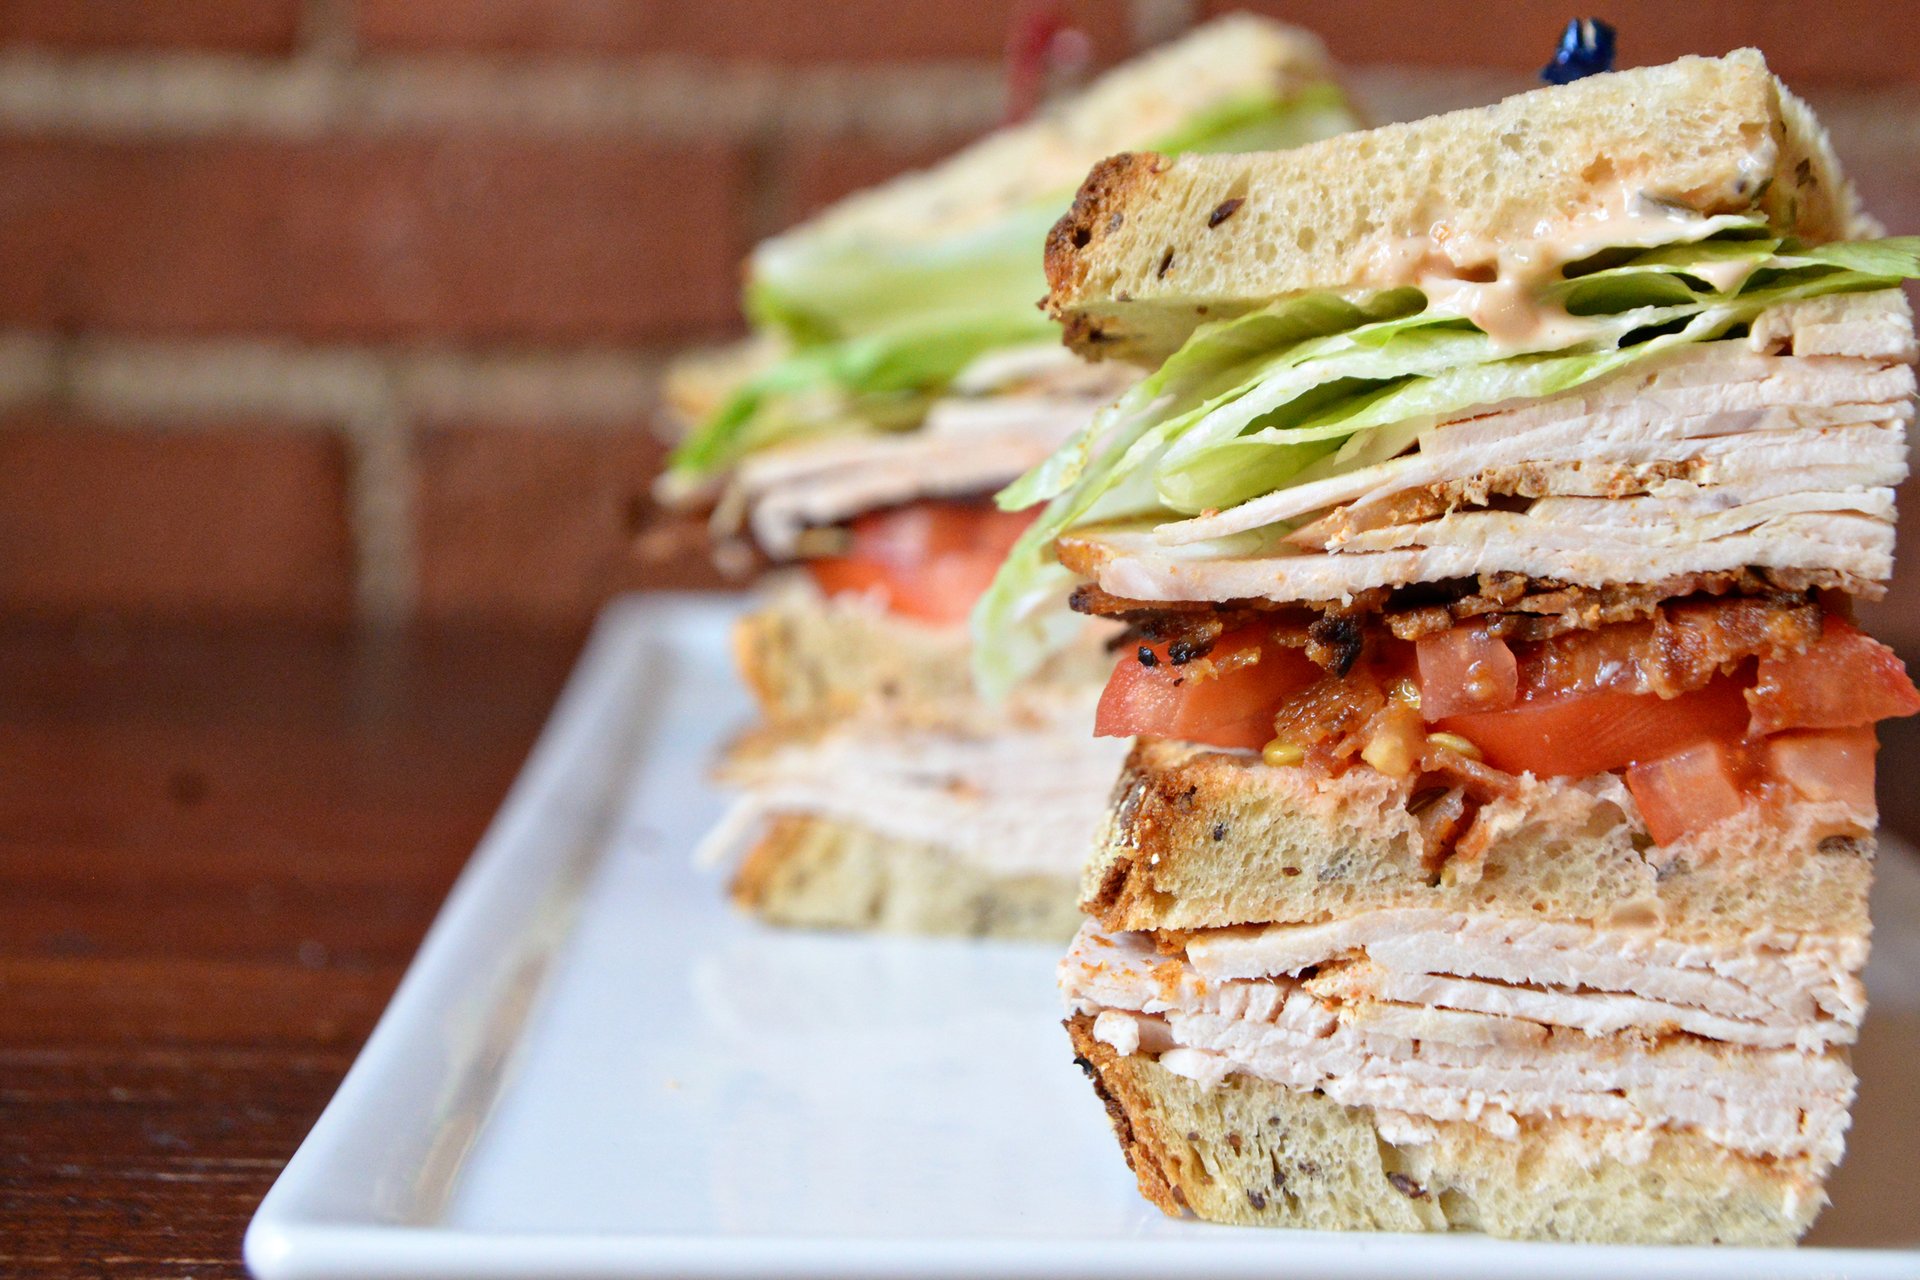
[1202, 839]
[812, 872]
[1155, 246]
[809, 659]
[1256, 1153]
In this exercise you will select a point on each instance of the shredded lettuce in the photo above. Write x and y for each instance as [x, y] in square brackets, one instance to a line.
[876, 329]
[827, 288]
[1318, 385]
[871, 382]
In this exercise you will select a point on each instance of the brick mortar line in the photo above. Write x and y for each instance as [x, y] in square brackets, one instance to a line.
[375, 399]
[382, 484]
[163, 95]
[328, 30]
[166, 385]
[30, 370]
[665, 97]
[161, 382]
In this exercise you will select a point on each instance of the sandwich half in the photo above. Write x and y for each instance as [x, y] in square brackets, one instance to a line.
[1496, 847]
[899, 374]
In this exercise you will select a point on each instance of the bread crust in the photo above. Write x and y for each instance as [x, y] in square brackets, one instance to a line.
[1154, 246]
[1204, 839]
[809, 660]
[813, 663]
[1156, 1162]
[1255, 1153]
[1110, 187]
[807, 871]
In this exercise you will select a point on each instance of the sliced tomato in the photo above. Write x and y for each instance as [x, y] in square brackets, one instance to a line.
[1830, 764]
[907, 537]
[1843, 680]
[1226, 699]
[930, 561]
[1592, 733]
[849, 575]
[1692, 789]
[942, 592]
[1465, 669]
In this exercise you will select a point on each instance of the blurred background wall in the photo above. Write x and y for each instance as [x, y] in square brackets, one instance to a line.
[336, 309]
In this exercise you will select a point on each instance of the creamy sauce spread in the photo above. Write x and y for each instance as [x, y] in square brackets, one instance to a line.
[1498, 286]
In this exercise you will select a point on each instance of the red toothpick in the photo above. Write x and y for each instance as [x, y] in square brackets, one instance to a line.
[1041, 40]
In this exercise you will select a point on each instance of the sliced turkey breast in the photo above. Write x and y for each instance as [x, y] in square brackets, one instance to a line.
[1780, 451]
[1361, 1048]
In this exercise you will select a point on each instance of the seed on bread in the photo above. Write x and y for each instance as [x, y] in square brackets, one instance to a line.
[1722, 134]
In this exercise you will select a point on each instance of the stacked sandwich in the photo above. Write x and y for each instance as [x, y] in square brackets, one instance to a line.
[1496, 850]
[900, 373]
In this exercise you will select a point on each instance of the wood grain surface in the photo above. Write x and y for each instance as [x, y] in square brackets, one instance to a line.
[217, 853]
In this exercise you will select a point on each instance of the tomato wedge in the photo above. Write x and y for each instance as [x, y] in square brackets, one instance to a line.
[929, 561]
[1831, 764]
[1843, 680]
[1584, 734]
[1465, 669]
[1692, 789]
[1227, 699]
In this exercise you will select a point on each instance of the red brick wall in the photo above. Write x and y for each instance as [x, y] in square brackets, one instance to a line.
[318, 308]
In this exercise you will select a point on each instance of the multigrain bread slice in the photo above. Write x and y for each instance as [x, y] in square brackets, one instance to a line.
[812, 872]
[1200, 839]
[808, 658]
[1256, 1153]
[1154, 246]
[1153, 96]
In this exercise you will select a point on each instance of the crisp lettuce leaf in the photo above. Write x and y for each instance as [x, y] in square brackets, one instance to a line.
[821, 289]
[1891, 259]
[1212, 368]
[1318, 386]
[879, 328]
[825, 286]
[858, 383]
[1103, 471]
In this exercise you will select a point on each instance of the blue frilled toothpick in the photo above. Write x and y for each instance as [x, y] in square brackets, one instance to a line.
[1586, 49]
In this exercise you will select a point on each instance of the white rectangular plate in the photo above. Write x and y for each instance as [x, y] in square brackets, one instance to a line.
[593, 1068]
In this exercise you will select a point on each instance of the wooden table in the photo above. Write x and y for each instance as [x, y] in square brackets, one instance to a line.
[217, 853]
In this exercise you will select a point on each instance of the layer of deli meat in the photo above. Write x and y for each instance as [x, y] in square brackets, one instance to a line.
[1020, 801]
[1022, 409]
[1470, 1053]
[1773, 989]
[1780, 450]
